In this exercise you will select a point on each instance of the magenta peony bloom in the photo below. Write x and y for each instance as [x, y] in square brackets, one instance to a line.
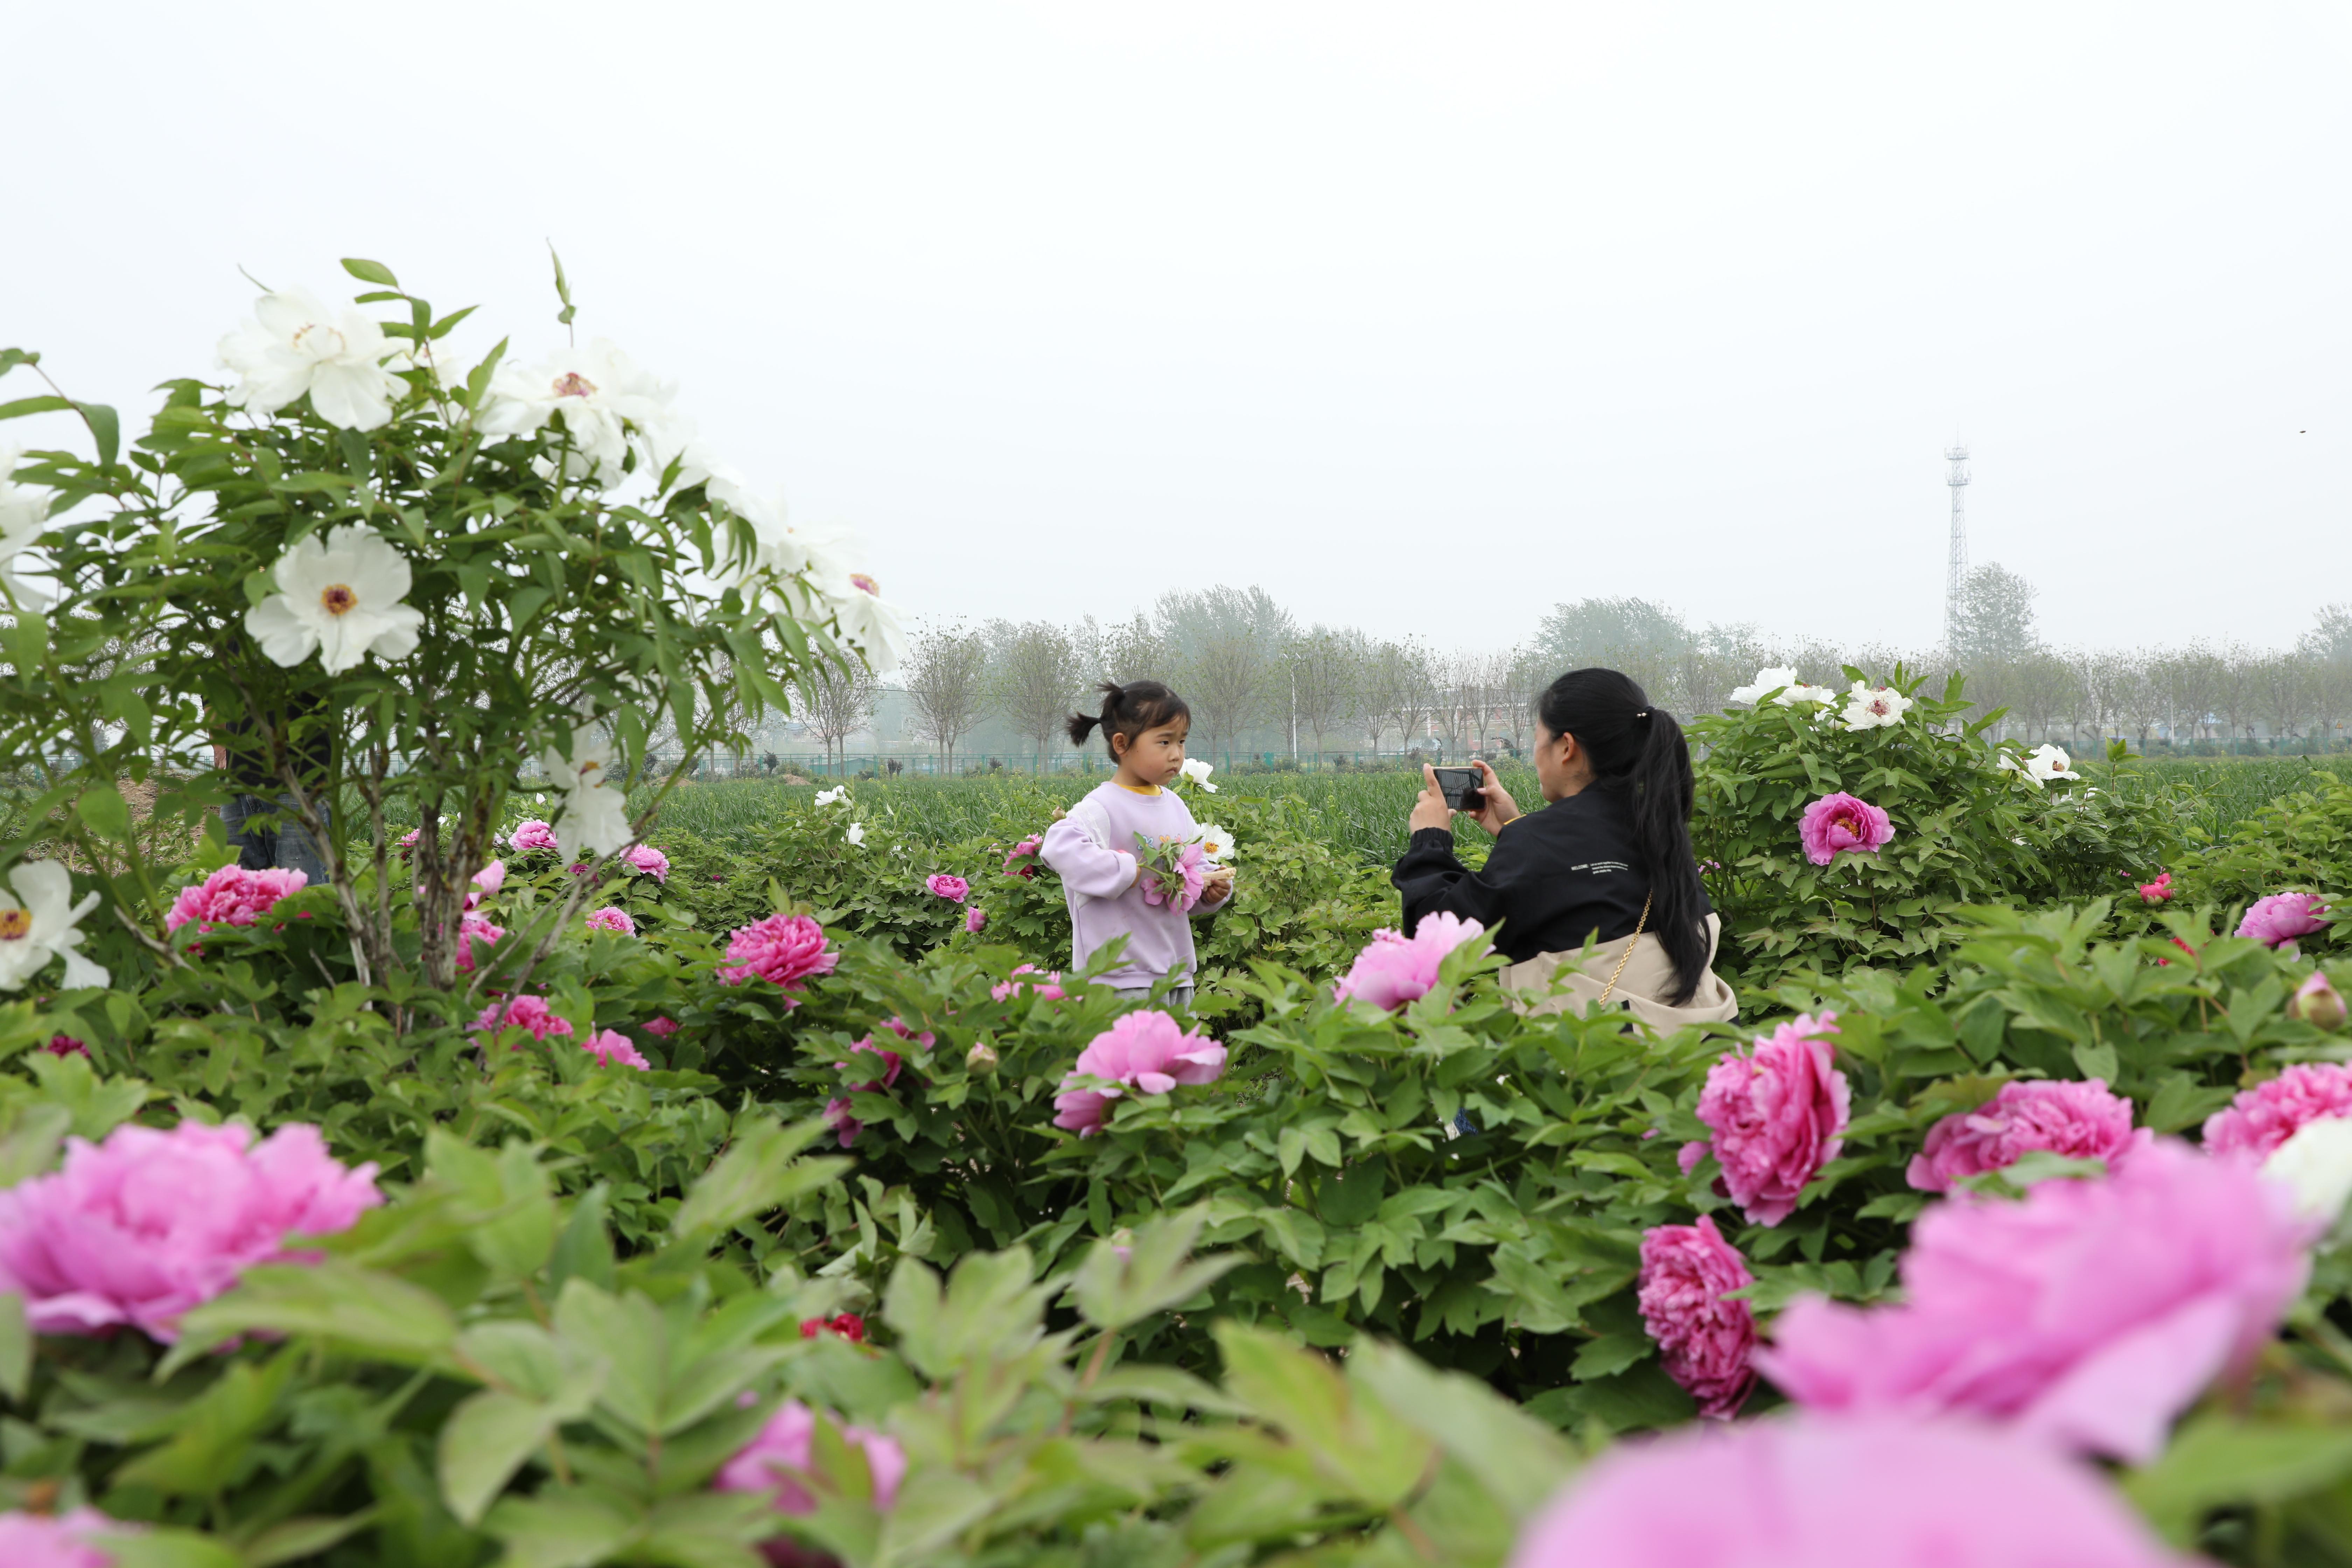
[647, 860]
[613, 1049]
[530, 1013]
[951, 889]
[884, 1065]
[2267, 1115]
[1776, 1114]
[782, 950]
[1021, 862]
[57, 1541]
[664, 1028]
[231, 896]
[2081, 1120]
[843, 1120]
[66, 1046]
[2315, 1002]
[781, 1459]
[1048, 986]
[899, 1027]
[2087, 1314]
[1394, 969]
[408, 840]
[531, 834]
[1704, 1340]
[137, 1230]
[1808, 1493]
[472, 929]
[2160, 890]
[1192, 873]
[611, 920]
[974, 918]
[1146, 1050]
[2282, 917]
[1838, 823]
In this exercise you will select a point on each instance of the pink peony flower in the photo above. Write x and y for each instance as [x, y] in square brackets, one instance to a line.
[66, 1046]
[231, 896]
[472, 929]
[899, 1027]
[408, 840]
[647, 860]
[486, 883]
[2160, 890]
[951, 889]
[2282, 917]
[974, 918]
[1839, 824]
[531, 834]
[1394, 969]
[1192, 872]
[1776, 1114]
[613, 1049]
[530, 1013]
[1146, 1050]
[782, 950]
[1807, 1493]
[843, 1120]
[664, 1028]
[1048, 986]
[781, 1460]
[2315, 1002]
[137, 1230]
[2087, 1314]
[611, 920]
[2267, 1115]
[57, 1541]
[2081, 1120]
[846, 1325]
[1021, 861]
[1702, 1339]
[883, 1064]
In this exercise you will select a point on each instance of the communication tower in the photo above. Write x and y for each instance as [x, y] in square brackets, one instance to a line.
[1955, 560]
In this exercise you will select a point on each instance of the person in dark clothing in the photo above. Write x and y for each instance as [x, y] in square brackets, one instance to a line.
[260, 817]
[1607, 860]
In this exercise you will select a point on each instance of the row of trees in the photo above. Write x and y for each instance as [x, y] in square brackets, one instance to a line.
[1257, 680]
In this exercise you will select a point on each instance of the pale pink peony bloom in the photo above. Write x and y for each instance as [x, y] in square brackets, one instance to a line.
[2315, 1002]
[57, 1541]
[1839, 825]
[2282, 917]
[2081, 1120]
[1021, 861]
[899, 1027]
[1809, 1493]
[782, 950]
[1192, 872]
[843, 1120]
[137, 1230]
[408, 840]
[486, 883]
[1704, 1340]
[531, 834]
[974, 918]
[530, 1012]
[782, 1460]
[1394, 969]
[647, 860]
[2087, 1314]
[472, 929]
[1148, 1051]
[664, 1028]
[2160, 890]
[1048, 986]
[612, 919]
[1777, 1113]
[231, 896]
[613, 1049]
[951, 889]
[2267, 1115]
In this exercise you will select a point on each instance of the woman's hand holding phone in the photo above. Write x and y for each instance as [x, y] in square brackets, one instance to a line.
[1499, 807]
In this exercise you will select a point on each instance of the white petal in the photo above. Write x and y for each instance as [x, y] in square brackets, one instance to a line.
[285, 636]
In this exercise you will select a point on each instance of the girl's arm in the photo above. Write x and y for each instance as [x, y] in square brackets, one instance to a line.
[1084, 866]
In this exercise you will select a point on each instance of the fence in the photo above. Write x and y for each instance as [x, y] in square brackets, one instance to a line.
[927, 764]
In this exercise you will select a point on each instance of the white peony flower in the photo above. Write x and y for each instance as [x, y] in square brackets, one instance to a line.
[339, 597]
[1802, 693]
[1198, 772]
[2049, 762]
[827, 796]
[23, 514]
[857, 834]
[1216, 843]
[296, 345]
[1873, 707]
[870, 624]
[1766, 680]
[42, 927]
[2317, 1163]
[595, 814]
[605, 399]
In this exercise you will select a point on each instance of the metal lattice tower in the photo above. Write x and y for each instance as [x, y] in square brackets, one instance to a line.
[1956, 561]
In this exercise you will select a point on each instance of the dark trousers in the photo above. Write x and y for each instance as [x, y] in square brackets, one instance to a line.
[283, 844]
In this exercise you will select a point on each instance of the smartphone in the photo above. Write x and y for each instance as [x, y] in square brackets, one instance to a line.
[1462, 788]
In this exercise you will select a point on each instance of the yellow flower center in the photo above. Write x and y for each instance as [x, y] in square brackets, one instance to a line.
[572, 384]
[337, 599]
[14, 925]
[587, 768]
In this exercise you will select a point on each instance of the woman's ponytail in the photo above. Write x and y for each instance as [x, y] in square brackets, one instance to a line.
[1639, 751]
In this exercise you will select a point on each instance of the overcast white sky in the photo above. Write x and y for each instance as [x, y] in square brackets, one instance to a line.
[1423, 317]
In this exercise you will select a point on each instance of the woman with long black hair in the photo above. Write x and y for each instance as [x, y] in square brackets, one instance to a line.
[1607, 861]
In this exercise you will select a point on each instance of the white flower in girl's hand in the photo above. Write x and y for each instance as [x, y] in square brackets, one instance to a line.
[1198, 772]
[1216, 844]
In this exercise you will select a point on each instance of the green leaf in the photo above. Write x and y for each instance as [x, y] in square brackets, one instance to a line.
[2217, 1461]
[101, 807]
[370, 271]
[358, 1307]
[1609, 1354]
[1113, 1292]
[1516, 1458]
[299, 1538]
[1356, 1441]
[106, 428]
[485, 1441]
[757, 1174]
[563, 288]
[166, 1549]
[212, 1439]
[15, 1348]
[570, 1527]
[25, 406]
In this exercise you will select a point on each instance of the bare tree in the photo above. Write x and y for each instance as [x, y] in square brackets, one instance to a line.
[1327, 680]
[839, 701]
[1397, 690]
[947, 684]
[1035, 677]
[1229, 645]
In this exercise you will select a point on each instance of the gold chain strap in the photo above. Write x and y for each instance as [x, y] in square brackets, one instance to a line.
[1623, 957]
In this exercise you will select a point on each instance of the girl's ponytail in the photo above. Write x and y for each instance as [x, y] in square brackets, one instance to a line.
[1129, 711]
[1081, 725]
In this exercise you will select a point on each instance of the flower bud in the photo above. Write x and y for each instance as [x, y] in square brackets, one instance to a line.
[980, 1058]
[2316, 1002]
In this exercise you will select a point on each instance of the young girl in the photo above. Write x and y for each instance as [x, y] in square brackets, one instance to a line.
[1093, 847]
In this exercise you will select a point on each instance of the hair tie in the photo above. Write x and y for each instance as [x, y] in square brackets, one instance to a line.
[1642, 713]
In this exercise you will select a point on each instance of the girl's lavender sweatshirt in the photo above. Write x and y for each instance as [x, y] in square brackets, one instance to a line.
[1093, 850]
